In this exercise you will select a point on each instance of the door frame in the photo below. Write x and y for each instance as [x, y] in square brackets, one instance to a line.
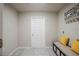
[43, 17]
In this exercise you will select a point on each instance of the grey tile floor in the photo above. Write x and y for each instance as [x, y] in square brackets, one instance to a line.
[34, 52]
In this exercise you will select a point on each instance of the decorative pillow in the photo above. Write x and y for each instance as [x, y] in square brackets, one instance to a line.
[75, 46]
[64, 40]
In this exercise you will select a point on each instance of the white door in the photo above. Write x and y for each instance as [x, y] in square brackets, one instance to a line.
[38, 31]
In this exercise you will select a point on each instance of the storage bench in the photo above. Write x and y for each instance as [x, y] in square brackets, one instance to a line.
[61, 50]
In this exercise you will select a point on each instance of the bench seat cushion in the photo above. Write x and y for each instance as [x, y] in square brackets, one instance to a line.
[65, 49]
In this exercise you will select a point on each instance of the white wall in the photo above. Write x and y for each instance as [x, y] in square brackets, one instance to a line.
[72, 29]
[10, 29]
[1, 5]
[0, 20]
[25, 27]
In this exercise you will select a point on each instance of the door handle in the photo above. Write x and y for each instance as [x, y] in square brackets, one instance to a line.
[32, 34]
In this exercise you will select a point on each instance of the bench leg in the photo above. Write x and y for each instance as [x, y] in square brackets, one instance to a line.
[55, 51]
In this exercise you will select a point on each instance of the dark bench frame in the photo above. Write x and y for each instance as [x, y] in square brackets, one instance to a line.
[57, 48]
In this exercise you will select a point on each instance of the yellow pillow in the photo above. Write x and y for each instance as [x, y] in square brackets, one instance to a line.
[64, 40]
[75, 46]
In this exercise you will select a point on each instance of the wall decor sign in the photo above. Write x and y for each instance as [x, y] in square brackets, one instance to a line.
[72, 15]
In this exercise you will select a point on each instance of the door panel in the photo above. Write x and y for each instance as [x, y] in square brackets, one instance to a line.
[38, 31]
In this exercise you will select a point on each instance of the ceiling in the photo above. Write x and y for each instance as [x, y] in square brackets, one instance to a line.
[47, 7]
